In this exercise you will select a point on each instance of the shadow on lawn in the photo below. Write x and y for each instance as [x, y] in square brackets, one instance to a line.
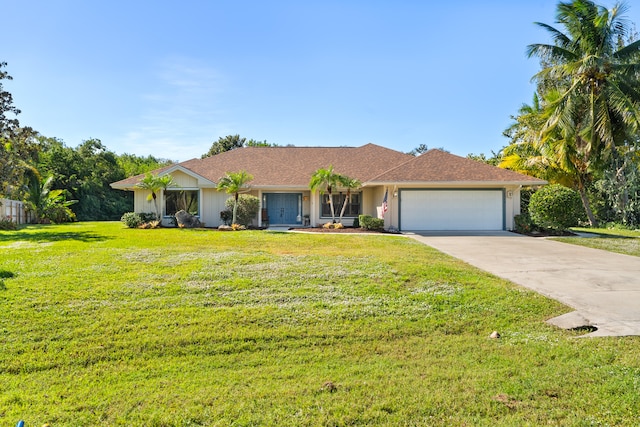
[44, 235]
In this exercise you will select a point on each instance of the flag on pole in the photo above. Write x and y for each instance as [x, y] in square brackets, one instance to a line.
[385, 206]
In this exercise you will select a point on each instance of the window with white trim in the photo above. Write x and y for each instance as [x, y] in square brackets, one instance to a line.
[176, 200]
[352, 210]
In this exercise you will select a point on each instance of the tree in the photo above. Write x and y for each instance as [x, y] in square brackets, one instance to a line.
[232, 183]
[132, 165]
[16, 144]
[589, 94]
[155, 184]
[349, 184]
[8, 126]
[45, 203]
[227, 143]
[324, 180]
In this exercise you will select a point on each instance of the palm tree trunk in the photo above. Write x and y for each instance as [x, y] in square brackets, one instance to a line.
[587, 206]
[333, 211]
[235, 209]
[344, 206]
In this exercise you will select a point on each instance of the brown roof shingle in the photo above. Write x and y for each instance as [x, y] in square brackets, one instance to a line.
[293, 166]
[440, 166]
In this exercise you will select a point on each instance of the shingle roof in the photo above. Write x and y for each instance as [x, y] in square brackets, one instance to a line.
[440, 166]
[293, 166]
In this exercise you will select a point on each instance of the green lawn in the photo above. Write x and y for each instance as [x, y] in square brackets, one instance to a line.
[614, 240]
[103, 325]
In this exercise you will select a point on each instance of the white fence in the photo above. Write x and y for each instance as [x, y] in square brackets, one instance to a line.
[14, 211]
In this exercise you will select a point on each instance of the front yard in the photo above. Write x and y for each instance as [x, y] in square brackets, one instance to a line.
[103, 325]
[613, 240]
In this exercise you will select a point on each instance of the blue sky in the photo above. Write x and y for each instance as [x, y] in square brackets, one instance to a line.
[168, 78]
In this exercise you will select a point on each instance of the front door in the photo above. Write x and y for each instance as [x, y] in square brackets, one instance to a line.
[284, 208]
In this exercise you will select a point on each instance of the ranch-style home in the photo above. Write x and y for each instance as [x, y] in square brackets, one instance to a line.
[434, 191]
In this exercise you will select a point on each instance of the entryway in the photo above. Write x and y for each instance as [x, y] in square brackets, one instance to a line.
[283, 208]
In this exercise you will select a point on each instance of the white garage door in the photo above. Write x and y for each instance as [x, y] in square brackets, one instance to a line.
[451, 210]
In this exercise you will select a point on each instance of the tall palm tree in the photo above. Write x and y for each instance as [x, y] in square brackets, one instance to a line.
[590, 91]
[595, 74]
[324, 180]
[155, 184]
[232, 183]
[550, 154]
[349, 184]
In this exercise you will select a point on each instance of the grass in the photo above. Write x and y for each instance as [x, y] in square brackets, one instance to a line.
[617, 240]
[103, 325]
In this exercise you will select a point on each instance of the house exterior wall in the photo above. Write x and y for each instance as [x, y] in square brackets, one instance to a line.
[392, 218]
[183, 180]
[211, 204]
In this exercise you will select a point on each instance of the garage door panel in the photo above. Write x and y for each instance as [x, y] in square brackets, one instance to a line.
[451, 210]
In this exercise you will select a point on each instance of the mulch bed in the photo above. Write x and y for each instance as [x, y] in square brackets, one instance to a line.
[337, 230]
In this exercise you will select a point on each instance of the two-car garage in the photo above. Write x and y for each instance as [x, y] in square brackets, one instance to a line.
[452, 209]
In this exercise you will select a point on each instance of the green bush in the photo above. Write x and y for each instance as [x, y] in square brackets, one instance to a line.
[524, 224]
[7, 224]
[248, 207]
[135, 220]
[556, 207]
[132, 220]
[370, 223]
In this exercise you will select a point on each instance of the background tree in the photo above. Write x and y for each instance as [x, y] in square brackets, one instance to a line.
[325, 180]
[226, 143]
[233, 183]
[132, 165]
[231, 142]
[8, 126]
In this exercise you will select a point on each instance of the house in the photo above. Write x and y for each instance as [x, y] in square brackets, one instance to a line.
[434, 191]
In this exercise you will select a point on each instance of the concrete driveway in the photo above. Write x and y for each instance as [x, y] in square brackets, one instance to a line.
[603, 287]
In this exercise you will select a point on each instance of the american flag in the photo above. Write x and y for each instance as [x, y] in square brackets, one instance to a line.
[385, 206]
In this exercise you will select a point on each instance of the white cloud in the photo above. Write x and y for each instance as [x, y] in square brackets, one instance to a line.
[182, 115]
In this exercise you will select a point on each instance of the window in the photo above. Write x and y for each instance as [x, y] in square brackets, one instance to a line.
[353, 207]
[176, 200]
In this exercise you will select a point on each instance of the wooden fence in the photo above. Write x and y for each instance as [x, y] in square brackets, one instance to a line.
[15, 211]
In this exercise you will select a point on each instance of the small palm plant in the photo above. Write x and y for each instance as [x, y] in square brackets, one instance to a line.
[232, 183]
[155, 184]
[324, 180]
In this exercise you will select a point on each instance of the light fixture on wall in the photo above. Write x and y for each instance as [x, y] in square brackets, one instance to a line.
[509, 194]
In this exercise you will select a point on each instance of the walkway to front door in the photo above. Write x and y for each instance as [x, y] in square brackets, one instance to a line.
[284, 208]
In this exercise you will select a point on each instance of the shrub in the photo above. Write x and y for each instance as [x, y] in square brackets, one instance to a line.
[226, 216]
[132, 220]
[138, 220]
[370, 223]
[248, 207]
[523, 223]
[556, 207]
[7, 224]
[333, 225]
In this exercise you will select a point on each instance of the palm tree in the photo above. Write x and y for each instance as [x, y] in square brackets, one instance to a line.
[324, 180]
[349, 184]
[155, 184]
[45, 203]
[232, 183]
[596, 74]
[590, 91]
